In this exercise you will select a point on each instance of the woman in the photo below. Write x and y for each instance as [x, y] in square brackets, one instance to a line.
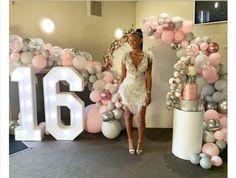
[135, 88]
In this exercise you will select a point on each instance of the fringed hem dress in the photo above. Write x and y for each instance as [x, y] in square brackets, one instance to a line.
[133, 88]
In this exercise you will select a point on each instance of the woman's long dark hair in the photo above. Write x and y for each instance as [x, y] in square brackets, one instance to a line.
[139, 33]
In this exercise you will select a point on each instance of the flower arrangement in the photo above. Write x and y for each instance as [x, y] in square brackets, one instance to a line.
[114, 46]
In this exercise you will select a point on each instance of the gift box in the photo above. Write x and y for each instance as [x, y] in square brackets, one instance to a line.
[189, 91]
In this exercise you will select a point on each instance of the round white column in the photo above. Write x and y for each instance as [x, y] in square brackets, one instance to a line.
[187, 133]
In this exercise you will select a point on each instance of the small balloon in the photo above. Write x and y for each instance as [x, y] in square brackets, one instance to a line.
[118, 113]
[107, 116]
[213, 47]
[205, 163]
[222, 107]
[195, 158]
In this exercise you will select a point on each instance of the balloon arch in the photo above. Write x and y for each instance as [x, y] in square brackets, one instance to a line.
[198, 65]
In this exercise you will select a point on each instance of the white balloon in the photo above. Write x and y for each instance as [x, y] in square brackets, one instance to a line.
[111, 129]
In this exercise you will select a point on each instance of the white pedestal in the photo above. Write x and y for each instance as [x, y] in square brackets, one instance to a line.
[187, 133]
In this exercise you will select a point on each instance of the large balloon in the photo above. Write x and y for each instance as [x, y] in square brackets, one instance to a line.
[93, 119]
[111, 129]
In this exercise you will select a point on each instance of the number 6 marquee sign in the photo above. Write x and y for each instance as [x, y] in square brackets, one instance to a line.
[53, 99]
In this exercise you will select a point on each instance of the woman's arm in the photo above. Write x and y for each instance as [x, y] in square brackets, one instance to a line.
[123, 72]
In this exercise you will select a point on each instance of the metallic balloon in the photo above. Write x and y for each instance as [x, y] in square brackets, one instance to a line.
[211, 105]
[222, 107]
[118, 113]
[12, 126]
[213, 124]
[107, 116]
[175, 46]
[221, 144]
[213, 47]
[84, 73]
[208, 137]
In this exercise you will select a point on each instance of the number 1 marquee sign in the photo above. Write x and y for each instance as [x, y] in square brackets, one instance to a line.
[53, 99]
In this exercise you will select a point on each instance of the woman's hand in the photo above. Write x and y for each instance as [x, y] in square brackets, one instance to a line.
[148, 99]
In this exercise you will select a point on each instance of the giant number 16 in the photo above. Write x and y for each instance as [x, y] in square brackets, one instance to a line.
[53, 99]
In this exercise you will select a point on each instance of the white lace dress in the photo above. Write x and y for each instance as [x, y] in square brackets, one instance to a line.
[133, 88]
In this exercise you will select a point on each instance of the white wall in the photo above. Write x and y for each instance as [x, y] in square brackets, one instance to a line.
[73, 28]
[157, 114]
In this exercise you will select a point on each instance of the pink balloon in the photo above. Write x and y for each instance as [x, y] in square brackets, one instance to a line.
[66, 53]
[97, 66]
[95, 96]
[105, 95]
[222, 115]
[211, 149]
[223, 122]
[204, 46]
[159, 29]
[15, 43]
[108, 86]
[184, 43]
[209, 72]
[39, 61]
[216, 161]
[67, 61]
[103, 109]
[93, 119]
[147, 24]
[118, 104]
[219, 135]
[156, 35]
[179, 35]
[167, 36]
[15, 56]
[105, 102]
[108, 76]
[187, 26]
[212, 79]
[214, 59]
[211, 114]
[50, 48]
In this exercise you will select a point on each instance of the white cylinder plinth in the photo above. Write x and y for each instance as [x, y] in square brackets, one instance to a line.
[187, 133]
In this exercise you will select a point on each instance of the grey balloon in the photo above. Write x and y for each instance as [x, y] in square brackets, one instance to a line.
[217, 96]
[195, 158]
[92, 70]
[107, 116]
[221, 144]
[207, 90]
[206, 39]
[220, 85]
[223, 70]
[204, 155]
[92, 78]
[222, 107]
[209, 99]
[12, 126]
[118, 113]
[205, 163]
[111, 105]
[189, 36]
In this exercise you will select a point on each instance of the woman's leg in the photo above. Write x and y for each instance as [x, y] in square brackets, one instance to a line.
[141, 127]
[129, 129]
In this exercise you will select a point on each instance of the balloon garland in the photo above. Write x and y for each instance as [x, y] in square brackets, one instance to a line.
[198, 66]
[106, 114]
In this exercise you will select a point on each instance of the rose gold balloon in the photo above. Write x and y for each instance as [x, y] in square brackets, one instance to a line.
[213, 47]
